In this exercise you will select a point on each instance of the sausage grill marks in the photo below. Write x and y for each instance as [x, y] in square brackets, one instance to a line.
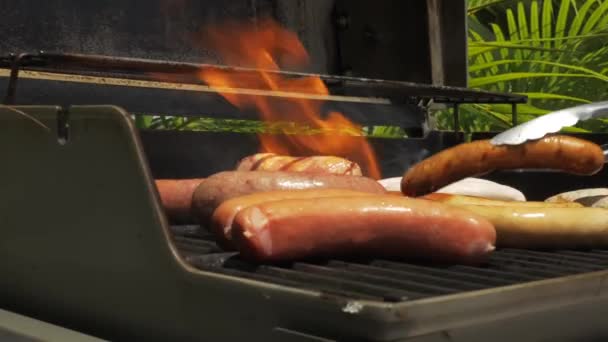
[557, 152]
[225, 185]
[312, 164]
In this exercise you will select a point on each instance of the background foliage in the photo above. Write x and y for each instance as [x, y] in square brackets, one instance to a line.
[554, 51]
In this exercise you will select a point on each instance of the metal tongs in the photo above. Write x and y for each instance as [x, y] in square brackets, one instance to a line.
[551, 123]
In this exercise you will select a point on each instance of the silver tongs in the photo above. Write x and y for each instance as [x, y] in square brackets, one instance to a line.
[551, 123]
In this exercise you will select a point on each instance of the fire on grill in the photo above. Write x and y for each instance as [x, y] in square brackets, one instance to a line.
[327, 235]
[316, 196]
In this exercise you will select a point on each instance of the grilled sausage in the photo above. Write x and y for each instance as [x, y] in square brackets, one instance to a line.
[378, 226]
[229, 184]
[464, 200]
[314, 164]
[571, 196]
[223, 216]
[176, 198]
[557, 152]
[546, 228]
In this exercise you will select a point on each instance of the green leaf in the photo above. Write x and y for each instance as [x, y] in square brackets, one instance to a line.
[500, 37]
[535, 28]
[577, 22]
[478, 5]
[555, 64]
[480, 81]
[598, 14]
[553, 96]
[547, 27]
[560, 25]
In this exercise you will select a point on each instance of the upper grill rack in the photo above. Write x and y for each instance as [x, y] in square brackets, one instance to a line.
[139, 68]
[391, 281]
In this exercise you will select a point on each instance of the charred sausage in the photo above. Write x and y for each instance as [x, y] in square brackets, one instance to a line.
[229, 184]
[223, 216]
[558, 152]
[546, 228]
[464, 200]
[378, 226]
[313, 164]
[176, 198]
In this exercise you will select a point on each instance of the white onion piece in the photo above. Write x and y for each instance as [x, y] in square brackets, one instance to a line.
[468, 187]
[483, 188]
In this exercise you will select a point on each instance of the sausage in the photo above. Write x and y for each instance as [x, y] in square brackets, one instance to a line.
[176, 198]
[313, 164]
[571, 196]
[546, 228]
[376, 226]
[557, 152]
[229, 184]
[464, 200]
[223, 216]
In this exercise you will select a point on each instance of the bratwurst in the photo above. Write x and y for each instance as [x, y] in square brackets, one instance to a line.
[229, 184]
[379, 226]
[546, 228]
[557, 152]
[313, 164]
[223, 216]
[464, 200]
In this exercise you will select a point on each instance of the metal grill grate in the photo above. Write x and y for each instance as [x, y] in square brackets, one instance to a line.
[390, 280]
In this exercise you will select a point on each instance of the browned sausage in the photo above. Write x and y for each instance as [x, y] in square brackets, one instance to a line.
[313, 164]
[229, 184]
[377, 226]
[558, 152]
[464, 200]
[223, 216]
[176, 198]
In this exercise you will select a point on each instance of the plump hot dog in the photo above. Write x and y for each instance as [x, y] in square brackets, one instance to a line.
[229, 184]
[546, 228]
[176, 198]
[557, 152]
[378, 226]
[313, 164]
[223, 216]
[464, 200]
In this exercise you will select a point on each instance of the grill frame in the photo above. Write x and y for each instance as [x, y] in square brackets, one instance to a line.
[116, 290]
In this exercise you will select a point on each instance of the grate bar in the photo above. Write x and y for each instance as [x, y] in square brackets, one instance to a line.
[552, 261]
[582, 257]
[441, 272]
[397, 284]
[412, 276]
[594, 254]
[499, 273]
[389, 294]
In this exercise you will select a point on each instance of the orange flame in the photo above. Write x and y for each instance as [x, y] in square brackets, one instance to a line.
[260, 47]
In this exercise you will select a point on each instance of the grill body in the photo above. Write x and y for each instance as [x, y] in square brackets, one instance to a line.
[85, 245]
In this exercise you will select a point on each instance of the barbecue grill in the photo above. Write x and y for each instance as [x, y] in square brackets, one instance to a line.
[86, 245]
